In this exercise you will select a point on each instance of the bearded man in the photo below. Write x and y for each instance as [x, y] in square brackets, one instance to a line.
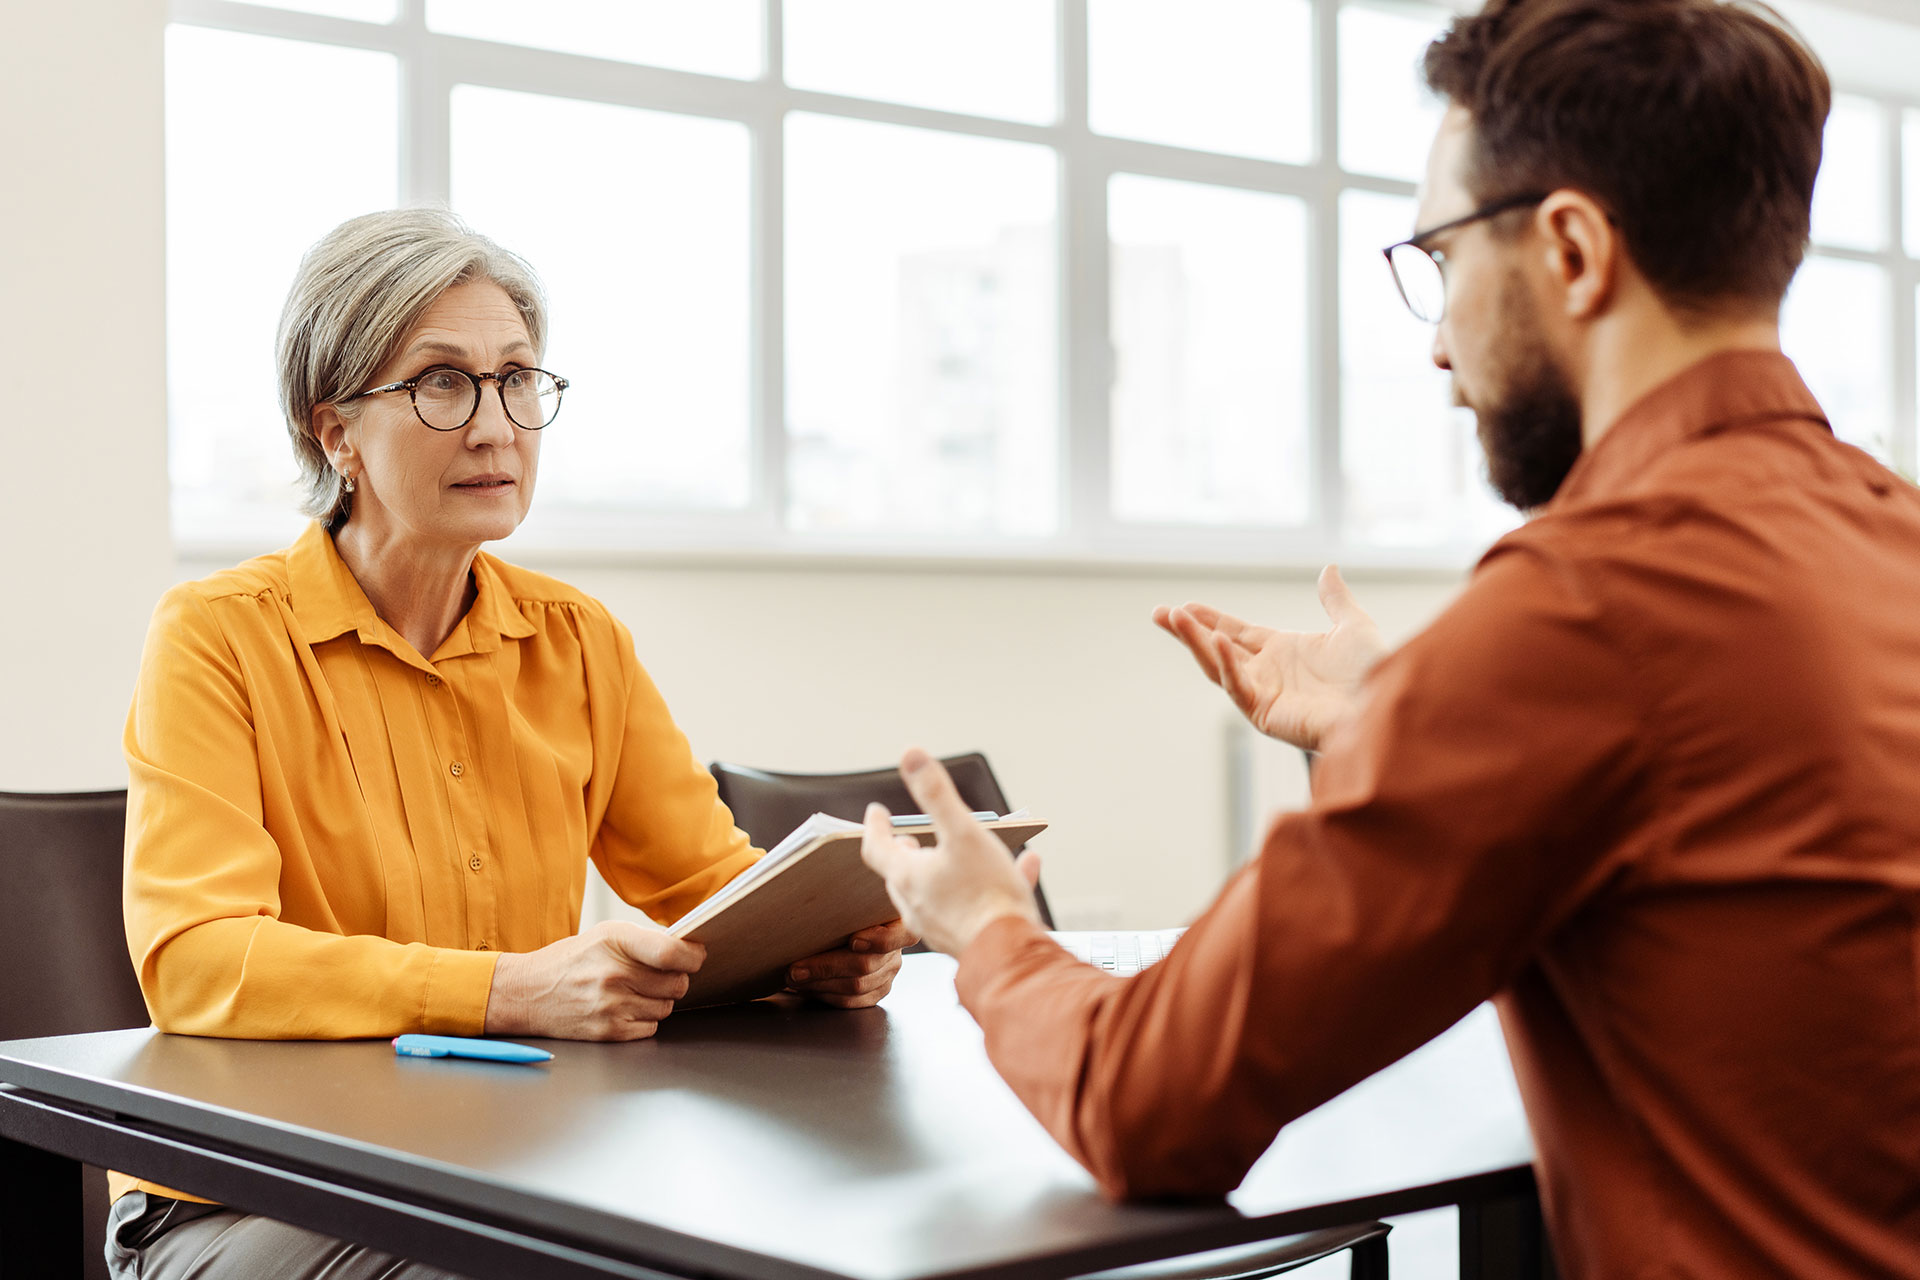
[1652, 783]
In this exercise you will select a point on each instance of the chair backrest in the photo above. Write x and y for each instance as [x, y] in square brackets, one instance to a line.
[63, 946]
[768, 805]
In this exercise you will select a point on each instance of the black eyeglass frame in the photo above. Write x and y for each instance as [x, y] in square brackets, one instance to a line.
[411, 387]
[1417, 239]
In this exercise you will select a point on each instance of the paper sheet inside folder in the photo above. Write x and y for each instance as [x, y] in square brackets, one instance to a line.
[807, 895]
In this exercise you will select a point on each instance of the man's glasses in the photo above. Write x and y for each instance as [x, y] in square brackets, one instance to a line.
[446, 398]
[1419, 272]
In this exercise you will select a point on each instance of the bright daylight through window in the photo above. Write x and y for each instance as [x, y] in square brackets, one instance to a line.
[820, 285]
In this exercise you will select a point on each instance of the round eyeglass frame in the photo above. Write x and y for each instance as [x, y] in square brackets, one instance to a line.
[411, 387]
[1418, 242]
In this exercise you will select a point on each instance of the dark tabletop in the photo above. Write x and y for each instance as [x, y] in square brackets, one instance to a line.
[775, 1139]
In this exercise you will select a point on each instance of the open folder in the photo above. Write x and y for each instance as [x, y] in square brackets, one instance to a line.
[807, 895]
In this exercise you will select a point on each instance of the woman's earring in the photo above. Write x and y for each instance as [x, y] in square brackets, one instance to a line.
[349, 484]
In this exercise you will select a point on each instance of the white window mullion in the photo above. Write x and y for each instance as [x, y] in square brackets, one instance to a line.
[1153, 160]
[424, 132]
[285, 24]
[768, 508]
[1906, 378]
[1323, 284]
[1086, 345]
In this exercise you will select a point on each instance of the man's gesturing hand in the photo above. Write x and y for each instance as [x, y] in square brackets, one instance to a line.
[1293, 685]
[616, 981]
[948, 891]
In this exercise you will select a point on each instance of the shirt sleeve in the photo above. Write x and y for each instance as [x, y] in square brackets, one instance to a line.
[201, 892]
[665, 841]
[1477, 799]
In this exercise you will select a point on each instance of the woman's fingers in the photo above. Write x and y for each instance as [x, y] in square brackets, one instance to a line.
[882, 938]
[626, 1029]
[650, 983]
[651, 948]
[631, 1005]
[838, 991]
[841, 964]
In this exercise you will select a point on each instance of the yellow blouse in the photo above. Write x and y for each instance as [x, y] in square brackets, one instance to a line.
[329, 836]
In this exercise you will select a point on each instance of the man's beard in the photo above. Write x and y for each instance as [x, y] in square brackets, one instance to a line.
[1531, 432]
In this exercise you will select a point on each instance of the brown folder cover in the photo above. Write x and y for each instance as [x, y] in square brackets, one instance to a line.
[821, 895]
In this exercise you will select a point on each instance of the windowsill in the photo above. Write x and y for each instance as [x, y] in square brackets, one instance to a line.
[1434, 564]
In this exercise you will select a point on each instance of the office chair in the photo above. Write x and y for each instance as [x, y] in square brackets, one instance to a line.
[63, 945]
[768, 805]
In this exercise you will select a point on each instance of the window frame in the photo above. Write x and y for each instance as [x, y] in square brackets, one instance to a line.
[431, 64]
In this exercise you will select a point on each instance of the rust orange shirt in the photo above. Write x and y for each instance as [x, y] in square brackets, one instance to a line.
[1653, 784]
[329, 835]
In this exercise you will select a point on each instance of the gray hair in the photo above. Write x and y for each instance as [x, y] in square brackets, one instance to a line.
[358, 294]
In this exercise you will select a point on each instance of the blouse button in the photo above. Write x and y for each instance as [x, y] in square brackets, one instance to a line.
[456, 768]
[485, 946]
[433, 681]
[474, 862]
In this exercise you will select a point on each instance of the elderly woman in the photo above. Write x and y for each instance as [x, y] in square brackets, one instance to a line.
[367, 771]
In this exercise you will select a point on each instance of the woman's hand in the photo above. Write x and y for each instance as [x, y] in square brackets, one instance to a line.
[616, 981]
[1293, 685]
[857, 975]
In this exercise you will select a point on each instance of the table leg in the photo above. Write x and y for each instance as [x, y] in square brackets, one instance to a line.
[40, 1213]
[1505, 1240]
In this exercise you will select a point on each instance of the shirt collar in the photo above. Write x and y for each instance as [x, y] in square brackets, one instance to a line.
[327, 601]
[1729, 389]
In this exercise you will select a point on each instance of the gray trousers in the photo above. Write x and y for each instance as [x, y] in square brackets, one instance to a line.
[154, 1238]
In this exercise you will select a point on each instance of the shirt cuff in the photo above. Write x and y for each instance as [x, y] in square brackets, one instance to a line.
[993, 949]
[458, 986]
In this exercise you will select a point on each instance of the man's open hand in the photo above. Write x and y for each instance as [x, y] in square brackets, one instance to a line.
[1292, 685]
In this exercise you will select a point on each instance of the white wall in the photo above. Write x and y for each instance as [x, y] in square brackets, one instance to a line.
[83, 502]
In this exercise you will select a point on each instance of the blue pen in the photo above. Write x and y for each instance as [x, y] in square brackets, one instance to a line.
[419, 1046]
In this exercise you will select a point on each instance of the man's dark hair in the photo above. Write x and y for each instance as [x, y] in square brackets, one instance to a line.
[1696, 124]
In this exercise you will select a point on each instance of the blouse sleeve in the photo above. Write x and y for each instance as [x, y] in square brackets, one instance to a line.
[665, 842]
[202, 875]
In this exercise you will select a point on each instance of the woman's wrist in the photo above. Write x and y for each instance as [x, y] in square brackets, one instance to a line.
[503, 1000]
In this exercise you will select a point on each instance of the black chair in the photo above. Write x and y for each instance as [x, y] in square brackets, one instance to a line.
[768, 805]
[63, 944]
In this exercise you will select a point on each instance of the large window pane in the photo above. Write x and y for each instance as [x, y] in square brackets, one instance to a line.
[1910, 162]
[1850, 198]
[715, 37]
[1209, 330]
[1837, 326]
[637, 221]
[270, 144]
[1217, 75]
[985, 57]
[921, 317]
[1387, 117]
[1415, 474]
